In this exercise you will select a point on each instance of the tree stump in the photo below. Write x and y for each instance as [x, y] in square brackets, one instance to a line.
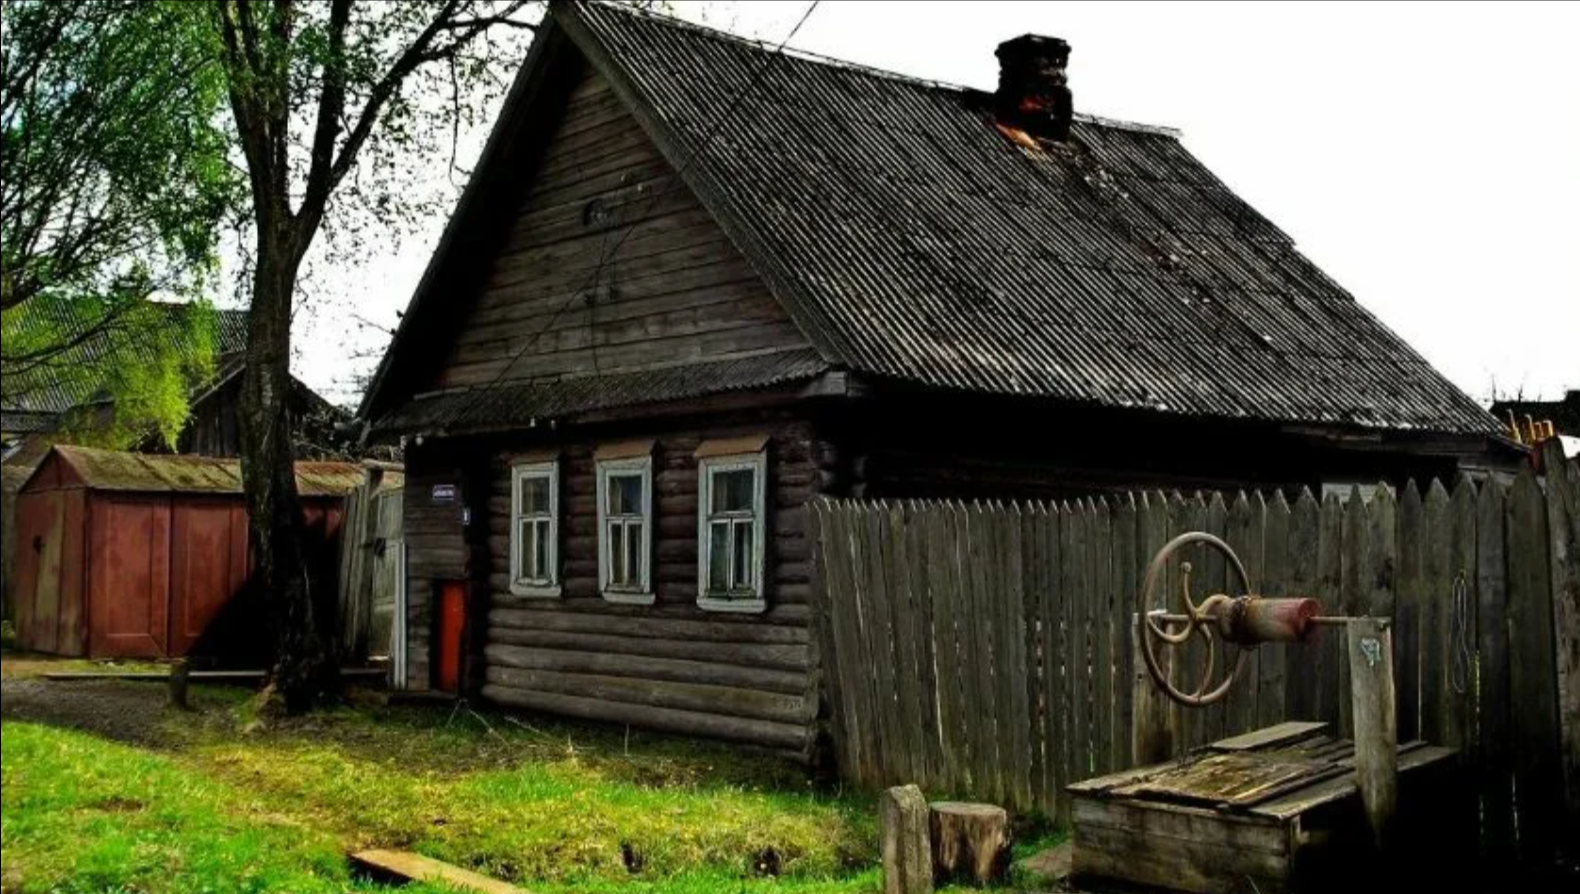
[907, 857]
[970, 842]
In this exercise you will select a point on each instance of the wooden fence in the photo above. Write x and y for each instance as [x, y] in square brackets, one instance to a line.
[370, 562]
[987, 650]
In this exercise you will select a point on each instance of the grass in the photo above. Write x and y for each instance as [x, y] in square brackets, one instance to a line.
[221, 805]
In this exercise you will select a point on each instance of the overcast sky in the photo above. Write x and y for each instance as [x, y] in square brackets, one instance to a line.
[1427, 156]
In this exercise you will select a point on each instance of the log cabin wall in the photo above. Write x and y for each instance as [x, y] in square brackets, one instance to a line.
[436, 548]
[669, 666]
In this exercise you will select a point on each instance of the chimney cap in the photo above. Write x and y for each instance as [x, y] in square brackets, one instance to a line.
[1034, 45]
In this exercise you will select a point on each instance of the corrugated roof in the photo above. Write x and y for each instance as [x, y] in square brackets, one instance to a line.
[911, 239]
[516, 404]
[60, 384]
[160, 473]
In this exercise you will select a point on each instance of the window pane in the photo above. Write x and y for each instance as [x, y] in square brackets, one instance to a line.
[732, 491]
[534, 494]
[634, 557]
[625, 494]
[718, 557]
[742, 578]
[540, 550]
[618, 575]
[525, 552]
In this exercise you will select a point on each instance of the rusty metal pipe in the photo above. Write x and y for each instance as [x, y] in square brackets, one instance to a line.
[1250, 620]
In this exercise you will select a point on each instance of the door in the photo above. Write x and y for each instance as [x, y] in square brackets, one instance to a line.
[39, 522]
[208, 566]
[449, 644]
[129, 589]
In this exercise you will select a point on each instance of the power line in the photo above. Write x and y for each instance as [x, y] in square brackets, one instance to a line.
[676, 181]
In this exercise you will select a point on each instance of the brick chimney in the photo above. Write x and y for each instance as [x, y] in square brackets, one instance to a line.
[1032, 95]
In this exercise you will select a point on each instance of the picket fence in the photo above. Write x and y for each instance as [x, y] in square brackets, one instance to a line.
[987, 650]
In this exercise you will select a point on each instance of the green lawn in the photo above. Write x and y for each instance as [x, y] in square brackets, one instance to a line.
[216, 805]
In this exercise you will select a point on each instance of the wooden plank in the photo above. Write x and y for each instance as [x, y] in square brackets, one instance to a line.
[943, 574]
[1078, 586]
[1410, 589]
[825, 622]
[1185, 822]
[902, 631]
[1435, 600]
[990, 751]
[1355, 587]
[1459, 705]
[1014, 668]
[1273, 658]
[410, 867]
[1072, 749]
[1200, 864]
[1563, 531]
[1243, 528]
[1154, 737]
[1126, 584]
[1278, 735]
[1304, 800]
[915, 552]
[1031, 550]
[1302, 554]
[1214, 571]
[1055, 717]
[1533, 675]
[1330, 583]
[1189, 660]
[1370, 661]
[892, 758]
[1100, 573]
[1492, 675]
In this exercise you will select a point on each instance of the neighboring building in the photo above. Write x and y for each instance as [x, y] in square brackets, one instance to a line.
[128, 555]
[691, 287]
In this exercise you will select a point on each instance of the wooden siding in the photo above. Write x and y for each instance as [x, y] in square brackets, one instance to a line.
[669, 666]
[609, 264]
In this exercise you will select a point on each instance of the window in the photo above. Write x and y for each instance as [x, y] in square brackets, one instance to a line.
[625, 529]
[730, 532]
[534, 529]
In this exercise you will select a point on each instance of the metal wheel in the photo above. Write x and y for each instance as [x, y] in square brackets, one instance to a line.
[1202, 620]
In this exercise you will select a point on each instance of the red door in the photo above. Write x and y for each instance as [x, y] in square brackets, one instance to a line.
[452, 623]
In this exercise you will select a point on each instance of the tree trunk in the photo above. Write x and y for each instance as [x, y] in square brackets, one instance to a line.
[303, 668]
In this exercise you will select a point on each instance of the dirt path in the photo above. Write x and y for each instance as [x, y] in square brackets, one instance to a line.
[133, 712]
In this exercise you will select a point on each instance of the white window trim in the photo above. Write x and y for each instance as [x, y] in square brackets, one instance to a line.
[643, 465]
[706, 467]
[551, 588]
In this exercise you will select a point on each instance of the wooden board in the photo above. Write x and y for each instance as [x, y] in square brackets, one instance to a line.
[1286, 733]
[410, 867]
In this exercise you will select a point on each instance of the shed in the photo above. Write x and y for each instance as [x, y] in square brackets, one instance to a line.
[128, 555]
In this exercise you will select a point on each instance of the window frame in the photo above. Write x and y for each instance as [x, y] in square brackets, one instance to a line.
[707, 467]
[544, 588]
[623, 467]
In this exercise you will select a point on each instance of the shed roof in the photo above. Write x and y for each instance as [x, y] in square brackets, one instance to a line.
[911, 239]
[161, 473]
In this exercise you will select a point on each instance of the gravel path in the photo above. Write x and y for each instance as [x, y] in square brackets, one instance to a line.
[116, 709]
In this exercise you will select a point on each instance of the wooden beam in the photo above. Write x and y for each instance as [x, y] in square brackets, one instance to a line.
[1370, 648]
[409, 867]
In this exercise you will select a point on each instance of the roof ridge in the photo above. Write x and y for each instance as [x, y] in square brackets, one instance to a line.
[858, 67]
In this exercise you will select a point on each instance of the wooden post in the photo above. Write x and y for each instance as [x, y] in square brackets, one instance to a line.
[180, 672]
[907, 850]
[1370, 648]
[1152, 736]
[970, 842]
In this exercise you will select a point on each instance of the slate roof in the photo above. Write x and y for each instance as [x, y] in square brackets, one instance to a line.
[160, 473]
[516, 403]
[48, 390]
[911, 240]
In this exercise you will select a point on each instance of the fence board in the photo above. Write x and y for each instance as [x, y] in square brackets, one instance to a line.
[987, 651]
[1563, 530]
[1533, 675]
[1056, 724]
[1409, 575]
[1100, 556]
[1126, 583]
[1272, 686]
[943, 576]
[1436, 610]
[1492, 674]
[908, 643]
[1304, 662]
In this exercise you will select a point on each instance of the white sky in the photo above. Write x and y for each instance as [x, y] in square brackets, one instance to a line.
[1427, 156]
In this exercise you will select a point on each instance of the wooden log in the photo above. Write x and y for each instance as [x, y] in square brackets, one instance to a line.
[971, 842]
[1370, 648]
[789, 658]
[906, 844]
[766, 733]
[728, 701]
[675, 669]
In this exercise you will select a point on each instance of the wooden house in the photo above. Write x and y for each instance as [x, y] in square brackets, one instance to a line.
[694, 284]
